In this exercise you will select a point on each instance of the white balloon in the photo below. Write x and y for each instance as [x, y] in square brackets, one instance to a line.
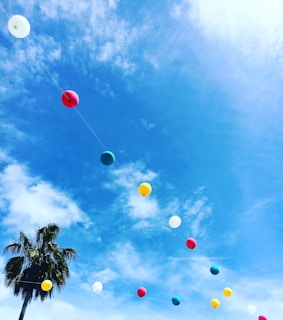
[251, 309]
[97, 287]
[19, 26]
[175, 222]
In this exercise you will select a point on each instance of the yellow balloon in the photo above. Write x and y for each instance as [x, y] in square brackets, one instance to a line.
[46, 285]
[227, 292]
[144, 189]
[215, 303]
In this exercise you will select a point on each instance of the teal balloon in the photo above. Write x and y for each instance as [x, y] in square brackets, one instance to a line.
[176, 300]
[107, 158]
[214, 270]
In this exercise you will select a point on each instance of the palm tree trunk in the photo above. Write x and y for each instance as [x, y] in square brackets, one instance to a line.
[25, 303]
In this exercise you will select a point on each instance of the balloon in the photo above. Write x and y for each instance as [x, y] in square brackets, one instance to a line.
[227, 292]
[176, 300]
[19, 26]
[70, 99]
[262, 317]
[46, 285]
[97, 287]
[144, 189]
[107, 158]
[141, 292]
[191, 243]
[175, 222]
[214, 270]
[215, 303]
[251, 309]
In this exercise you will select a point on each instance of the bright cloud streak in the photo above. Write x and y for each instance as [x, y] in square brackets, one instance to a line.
[249, 24]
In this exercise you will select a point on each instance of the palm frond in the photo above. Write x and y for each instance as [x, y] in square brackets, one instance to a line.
[69, 253]
[25, 242]
[13, 269]
[47, 234]
[14, 247]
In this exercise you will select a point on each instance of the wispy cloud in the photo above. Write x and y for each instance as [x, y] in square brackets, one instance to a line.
[10, 131]
[258, 206]
[107, 42]
[131, 265]
[112, 42]
[131, 175]
[198, 210]
[20, 60]
[148, 125]
[105, 275]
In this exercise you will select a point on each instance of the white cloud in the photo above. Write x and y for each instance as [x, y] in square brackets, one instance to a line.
[32, 202]
[126, 179]
[131, 175]
[141, 207]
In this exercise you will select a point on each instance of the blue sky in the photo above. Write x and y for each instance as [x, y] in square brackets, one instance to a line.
[188, 96]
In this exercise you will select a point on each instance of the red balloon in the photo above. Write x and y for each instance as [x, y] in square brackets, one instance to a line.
[191, 243]
[70, 99]
[262, 318]
[141, 292]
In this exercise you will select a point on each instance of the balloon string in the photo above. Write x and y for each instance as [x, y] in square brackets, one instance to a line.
[92, 131]
[78, 113]
[90, 128]
[4, 11]
[28, 282]
[54, 80]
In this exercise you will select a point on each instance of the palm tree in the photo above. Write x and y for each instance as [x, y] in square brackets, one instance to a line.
[36, 261]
